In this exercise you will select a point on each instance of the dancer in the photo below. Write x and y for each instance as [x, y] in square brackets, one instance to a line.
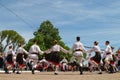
[9, 59]
[33, 55]
[108, 57]
[64, 64]
[55, 57]
[118, 59]
[95, 60]
[19, 58]
[79, 49]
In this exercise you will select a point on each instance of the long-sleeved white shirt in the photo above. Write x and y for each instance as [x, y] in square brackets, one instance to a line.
[35, 49]
[21, 50]
[78, 45]
[108, 49]
[56, 48]
[95, 49]
[10, 51]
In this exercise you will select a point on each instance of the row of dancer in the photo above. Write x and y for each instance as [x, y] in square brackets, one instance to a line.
[77, 47]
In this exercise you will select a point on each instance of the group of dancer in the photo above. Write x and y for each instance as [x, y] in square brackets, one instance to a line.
[16, 61]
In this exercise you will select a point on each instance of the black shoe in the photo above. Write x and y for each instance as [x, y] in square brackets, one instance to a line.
[18, 73]
[81, 73]
[110, 72]
[13, 70]
[7, 72]
[100, 73]
[55, 73]
[33, 71]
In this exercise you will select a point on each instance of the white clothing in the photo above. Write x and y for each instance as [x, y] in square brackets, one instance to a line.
[95, 49]
[108, 50]
[21, 50]
[56, 48]
[64, 61]
[76, 46]
[35, 49]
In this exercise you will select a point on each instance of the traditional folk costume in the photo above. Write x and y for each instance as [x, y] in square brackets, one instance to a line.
[72, 64]
[79, 49]
[33, 55]
[95, 60]
[20, 58]
[108, 58]
[118, 61]
[108, 52]
[9, 60]
[55, 55]
[44, 64]
[1, 60]
[64, 64]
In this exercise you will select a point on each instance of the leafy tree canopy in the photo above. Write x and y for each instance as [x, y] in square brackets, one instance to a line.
[10, 37]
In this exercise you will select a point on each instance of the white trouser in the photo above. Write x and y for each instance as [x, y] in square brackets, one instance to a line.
[79, 56]
[34, 58]
[108, 58]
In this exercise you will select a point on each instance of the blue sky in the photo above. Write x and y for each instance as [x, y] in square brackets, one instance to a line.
[90, 19]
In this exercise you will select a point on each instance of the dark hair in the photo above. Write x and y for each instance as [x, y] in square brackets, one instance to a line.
[55, 41]
[10, 46]
[78, 38]
[107, 42]
[96, 43]
[34, 41]
[112, 47]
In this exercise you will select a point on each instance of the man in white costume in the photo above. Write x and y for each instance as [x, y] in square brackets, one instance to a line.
[108, 57]
[33, 55]
[79, 49]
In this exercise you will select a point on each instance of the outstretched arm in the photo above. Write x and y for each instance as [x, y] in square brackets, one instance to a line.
[64, 50]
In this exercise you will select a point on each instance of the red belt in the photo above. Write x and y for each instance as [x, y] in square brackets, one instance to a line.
[34, 53]
[108, 53]
[78, 50]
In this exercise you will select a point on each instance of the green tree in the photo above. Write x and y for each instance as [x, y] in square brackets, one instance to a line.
[49, 33]
[10, 37]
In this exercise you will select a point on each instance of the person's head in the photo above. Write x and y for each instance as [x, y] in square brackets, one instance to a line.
[10, 47]
[19, 45]
[107, 42]
[78, 38]
[55, 42]
[118, 51]
[34, 42]
[96, 43]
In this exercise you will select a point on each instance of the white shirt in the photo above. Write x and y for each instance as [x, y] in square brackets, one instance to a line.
[108, 49]
[78, 45]
[35, 49]
[10, 52]
[64, 61]
[44, 60]
[57, 48]
[21, 50]
[95, 49]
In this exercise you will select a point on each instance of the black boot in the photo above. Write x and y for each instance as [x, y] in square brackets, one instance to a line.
[110, 68]
[18, 72]
[14, 70]
[6, 71]
[33, 71]
[81, 70]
